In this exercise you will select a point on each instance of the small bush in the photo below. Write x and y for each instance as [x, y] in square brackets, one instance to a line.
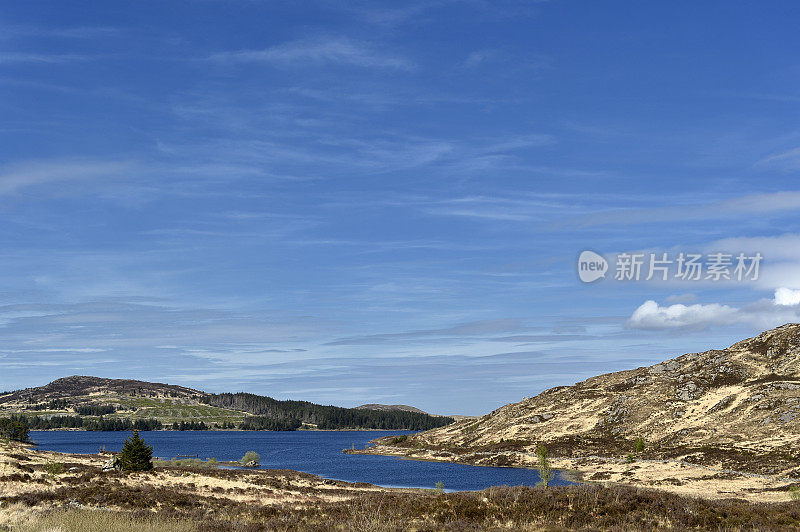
[439, 487]
[794, 493]
[251, 458]
[639, 445]
[399, 439]
[629, 459]
[54, 468]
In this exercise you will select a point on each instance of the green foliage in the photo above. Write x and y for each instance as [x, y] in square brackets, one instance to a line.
[629, 459]
[546, 473]
[99, 424]
[193, 463]
[136, 455]
[439, 487]
[794, 493]
[95, 410]
[267, 423]
[14, 428]
[250, 456]
[325, 417]
[639, 444]
[469, 428]
[54, 404]
[53, 468]
[399, 439]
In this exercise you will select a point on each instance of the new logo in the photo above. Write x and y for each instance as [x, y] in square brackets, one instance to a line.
[591, 266]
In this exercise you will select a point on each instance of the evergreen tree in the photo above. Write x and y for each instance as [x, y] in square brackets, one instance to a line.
[136, 455]
[14, 428]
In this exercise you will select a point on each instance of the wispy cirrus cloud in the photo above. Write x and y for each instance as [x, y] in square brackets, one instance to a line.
[464, 329]
[41, 58]
[332, 50]
[787, 160]
[765, 204]
[14, 178]
[75, 32]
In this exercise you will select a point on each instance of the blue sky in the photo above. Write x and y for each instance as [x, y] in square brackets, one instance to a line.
[350, 202]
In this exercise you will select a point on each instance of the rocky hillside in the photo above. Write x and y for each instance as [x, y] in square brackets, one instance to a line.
[78, 387]
[745, 397]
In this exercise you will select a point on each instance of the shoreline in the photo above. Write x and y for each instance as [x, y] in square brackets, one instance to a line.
[77, 495]
[673, 476]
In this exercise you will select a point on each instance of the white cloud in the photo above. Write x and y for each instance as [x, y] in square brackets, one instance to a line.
[784, 307]
[787, 297]
[330, 50]
[651, 316]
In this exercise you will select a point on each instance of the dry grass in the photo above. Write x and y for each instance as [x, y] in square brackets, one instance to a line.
[21, 519]
[205, 499]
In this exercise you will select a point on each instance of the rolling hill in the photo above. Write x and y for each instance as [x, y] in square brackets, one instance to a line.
[735, 407]
[82, 402]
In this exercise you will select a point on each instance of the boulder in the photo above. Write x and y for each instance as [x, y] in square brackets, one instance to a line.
[112, 464]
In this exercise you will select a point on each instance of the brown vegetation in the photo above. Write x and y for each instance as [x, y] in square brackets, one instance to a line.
[205, 499]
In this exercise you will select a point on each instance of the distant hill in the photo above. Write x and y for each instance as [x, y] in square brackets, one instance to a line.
[93, 403]
[389, 408]
[406, 408]
[78, 386]
[324, 417]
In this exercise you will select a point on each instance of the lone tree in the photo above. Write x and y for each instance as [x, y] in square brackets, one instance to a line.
[136, 455]
[546, 473]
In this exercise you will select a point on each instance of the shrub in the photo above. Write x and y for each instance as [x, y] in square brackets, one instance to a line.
[629, 459]
[794, 493]
[439, 487]
[399, 439]
[251, 458]
[136, 455]
[54, 468]
[639, 445]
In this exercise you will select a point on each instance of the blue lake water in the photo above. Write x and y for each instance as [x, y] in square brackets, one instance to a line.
[319, 453]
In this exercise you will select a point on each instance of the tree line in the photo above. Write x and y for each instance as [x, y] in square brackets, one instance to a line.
[99, 424]
[291, 414]
[14, 428]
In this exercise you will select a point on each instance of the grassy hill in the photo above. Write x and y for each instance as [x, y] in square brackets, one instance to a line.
[93, 403]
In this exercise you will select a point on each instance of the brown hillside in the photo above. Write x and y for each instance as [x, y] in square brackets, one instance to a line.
[78, 386]
[745, 397]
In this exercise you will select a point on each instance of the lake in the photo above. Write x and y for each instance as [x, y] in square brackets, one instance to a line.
[319, 453]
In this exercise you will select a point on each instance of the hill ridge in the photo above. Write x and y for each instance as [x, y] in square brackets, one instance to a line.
[744, 397]
[99, 403]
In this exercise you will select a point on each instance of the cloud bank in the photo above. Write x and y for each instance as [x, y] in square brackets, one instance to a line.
[784, 307]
